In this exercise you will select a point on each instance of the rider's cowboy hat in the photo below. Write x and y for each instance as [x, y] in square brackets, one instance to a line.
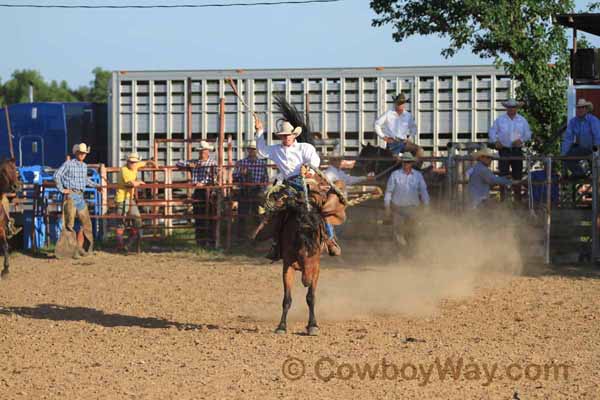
[250, 144]
[288, 129]
[401, 99]
[204, 145]
[81, 148]
[133, 157]
[512, 103]
[585, 103]
[407, 157]
[485, 152]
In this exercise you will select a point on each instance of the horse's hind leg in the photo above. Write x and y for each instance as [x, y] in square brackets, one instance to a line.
[312, 328]
[6, 260]
[288, 280]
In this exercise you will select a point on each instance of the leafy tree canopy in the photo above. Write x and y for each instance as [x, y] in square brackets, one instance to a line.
[16, 89]
[519, 35]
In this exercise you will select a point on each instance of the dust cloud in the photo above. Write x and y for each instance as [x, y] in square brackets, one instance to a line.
[452, 257]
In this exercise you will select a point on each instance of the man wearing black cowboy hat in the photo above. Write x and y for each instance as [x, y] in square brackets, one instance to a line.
[398, 129]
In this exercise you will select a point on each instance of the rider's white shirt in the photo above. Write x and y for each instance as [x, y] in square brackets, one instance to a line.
[394, 125]
[290, 159]
[507, 130]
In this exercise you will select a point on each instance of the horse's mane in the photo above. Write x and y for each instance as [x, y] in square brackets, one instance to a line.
[291, 114]
[310, 229]
[8, 175]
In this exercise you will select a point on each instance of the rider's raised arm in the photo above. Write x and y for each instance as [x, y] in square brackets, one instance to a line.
[261, 143]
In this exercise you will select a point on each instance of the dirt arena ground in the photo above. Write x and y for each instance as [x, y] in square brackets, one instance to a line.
[196, 326]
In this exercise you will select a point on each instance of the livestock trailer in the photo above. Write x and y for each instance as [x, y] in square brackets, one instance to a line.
[449, 103]
[44, 133]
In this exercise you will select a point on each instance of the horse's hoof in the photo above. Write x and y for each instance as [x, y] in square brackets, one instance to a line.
[313, 331]
[280, 331]
[4, 272]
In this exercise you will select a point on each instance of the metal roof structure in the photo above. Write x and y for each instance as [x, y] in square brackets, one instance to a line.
[586, 22]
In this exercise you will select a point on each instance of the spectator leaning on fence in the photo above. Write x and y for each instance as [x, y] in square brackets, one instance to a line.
[252, 175]
[582, 134]
[204, 175]
[509, 133]
[71, 180]
[406, 191]
[481, 179]
[125, 204]
[398, 129]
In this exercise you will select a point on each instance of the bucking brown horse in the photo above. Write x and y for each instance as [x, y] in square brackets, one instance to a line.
[302, 237]
[9, 183]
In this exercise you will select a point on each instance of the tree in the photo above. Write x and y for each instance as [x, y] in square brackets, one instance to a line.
[16, 90]
[99, 86]
[519, 35]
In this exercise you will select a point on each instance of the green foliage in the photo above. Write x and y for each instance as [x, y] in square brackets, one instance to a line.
[594, 6]
[16, 89]
[519, 35]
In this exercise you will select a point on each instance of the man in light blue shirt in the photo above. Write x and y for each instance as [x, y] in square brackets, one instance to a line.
[481, 179]
[406, 191]
[583, 133]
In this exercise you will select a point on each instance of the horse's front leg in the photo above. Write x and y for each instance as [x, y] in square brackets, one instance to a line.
[312, 328]
[288, 280]
[6, 259]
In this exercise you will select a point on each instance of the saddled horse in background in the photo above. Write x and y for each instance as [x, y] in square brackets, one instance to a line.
[9, 183]
[388, 164]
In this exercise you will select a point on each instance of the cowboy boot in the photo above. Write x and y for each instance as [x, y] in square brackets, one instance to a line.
[133, 238]
[333, 247]
[120, 239]
[274, 253]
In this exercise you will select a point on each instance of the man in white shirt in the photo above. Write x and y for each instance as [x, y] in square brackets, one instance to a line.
[335, 173]
[406, 191]
[509, 133]
[290, 156]
[398, 129]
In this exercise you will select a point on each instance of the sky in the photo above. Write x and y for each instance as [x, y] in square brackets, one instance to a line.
[69, 44]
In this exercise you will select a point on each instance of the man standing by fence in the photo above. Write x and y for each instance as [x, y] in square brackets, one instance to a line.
[398, 129]
[406, 191]
[125, 201]
[509, 133]
[252, 176]
[583, 133]
[204, 175]
[71, 180]
[481, 179]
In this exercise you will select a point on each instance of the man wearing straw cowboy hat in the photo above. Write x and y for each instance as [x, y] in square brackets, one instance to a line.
[204, 173]
[71, 180]
[125, 204]
[582, 134]
[509, 133]
[405, 192]
[398, 129]
[252, 176]
[290, 157]
[481, 178]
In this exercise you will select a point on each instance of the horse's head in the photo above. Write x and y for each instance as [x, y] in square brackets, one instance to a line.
[363, 167]
[9, 176]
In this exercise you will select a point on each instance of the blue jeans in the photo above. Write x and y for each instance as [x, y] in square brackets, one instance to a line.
[396, 147]
[573, 165]
[330, 230]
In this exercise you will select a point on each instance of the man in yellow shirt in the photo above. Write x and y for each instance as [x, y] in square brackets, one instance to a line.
[125, 203]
